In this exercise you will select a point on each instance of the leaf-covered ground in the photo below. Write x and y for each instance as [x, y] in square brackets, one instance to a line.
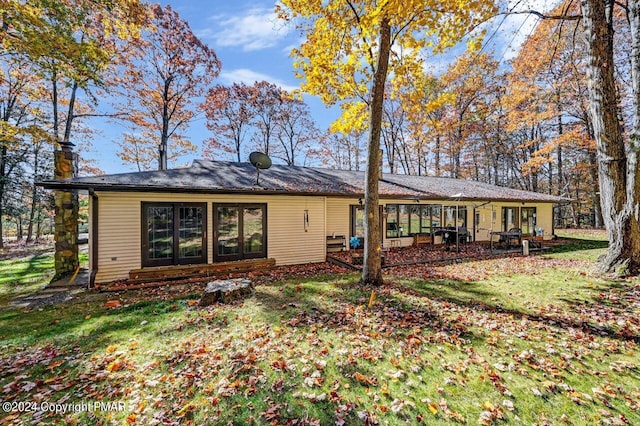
[539, 341]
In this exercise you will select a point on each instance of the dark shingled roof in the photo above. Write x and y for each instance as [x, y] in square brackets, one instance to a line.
[227, 177]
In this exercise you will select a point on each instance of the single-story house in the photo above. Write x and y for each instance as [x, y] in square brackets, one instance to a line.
[216, 211]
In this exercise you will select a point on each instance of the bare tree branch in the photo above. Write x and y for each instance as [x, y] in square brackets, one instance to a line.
[564, 16]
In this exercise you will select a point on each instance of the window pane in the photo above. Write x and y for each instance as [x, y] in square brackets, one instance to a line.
[509, 218]
[190, 232]
[436, 216]
[455, 216]
[160, 232]
[358, 221]
[392, 220]
[228, 230]
[403, 217]
[528, 220]
[431, 217]
[425, 224]
[414, 219]
[449, 216]
[252, 229]
[462, 216]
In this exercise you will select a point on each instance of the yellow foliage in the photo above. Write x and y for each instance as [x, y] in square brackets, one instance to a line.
[337, 59]
[353, 118]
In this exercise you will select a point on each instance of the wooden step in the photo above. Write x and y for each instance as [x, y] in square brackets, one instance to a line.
[173, 272]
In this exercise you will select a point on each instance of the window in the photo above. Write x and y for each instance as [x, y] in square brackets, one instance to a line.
[415, 216]
[528, 220]
[392, 221]
[455, 216]
[357, 223]
[431, 217]
[509, 218]
[174, 233]
[403, 220]
[410, 219]
[240, 231]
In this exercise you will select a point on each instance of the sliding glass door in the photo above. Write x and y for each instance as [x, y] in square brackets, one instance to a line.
[240, 231]
[173, 233]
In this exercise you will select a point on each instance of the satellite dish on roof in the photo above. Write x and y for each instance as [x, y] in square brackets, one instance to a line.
[260, 161]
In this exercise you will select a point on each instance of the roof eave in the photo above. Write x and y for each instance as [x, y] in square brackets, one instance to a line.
[85, 186]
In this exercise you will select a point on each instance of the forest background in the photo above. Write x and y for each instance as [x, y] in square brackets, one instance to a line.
[521, 122]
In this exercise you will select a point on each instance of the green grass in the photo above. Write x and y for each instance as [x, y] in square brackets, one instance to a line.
[540, 340]
[27, 274]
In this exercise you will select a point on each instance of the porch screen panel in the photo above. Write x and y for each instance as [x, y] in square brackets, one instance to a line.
[190, 231]
[415, 217]
[436, 216]
[160, 233]
[403, 220]
[228, 230]
[431, 217]
[252, 220]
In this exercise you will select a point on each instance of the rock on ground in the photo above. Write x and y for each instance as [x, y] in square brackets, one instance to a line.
[226, 291]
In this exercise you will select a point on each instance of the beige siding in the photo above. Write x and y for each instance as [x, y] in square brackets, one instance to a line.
[288, 242]
[120, 233]
[339, 216]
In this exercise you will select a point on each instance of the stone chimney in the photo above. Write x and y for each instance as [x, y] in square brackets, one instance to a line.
[66, 213]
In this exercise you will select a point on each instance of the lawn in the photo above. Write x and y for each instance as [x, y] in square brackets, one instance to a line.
[539, 340]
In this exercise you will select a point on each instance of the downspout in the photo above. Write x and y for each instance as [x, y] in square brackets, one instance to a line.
[94, 238]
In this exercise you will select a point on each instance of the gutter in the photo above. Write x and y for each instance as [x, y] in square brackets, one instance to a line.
[94, 238]
[425, 196]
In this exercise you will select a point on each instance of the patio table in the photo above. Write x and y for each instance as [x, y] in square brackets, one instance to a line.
[506, 237]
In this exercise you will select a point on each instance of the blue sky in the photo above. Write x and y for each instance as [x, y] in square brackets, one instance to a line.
[253, 46]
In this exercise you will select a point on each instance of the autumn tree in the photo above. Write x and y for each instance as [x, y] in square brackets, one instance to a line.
[67, 45]
[229, 116]
[296, 130]
[341, 151]
[546, 95]
[165, 71]
[136, 149]
[468, 80]
[619, 176]
[266, 103]
[346, 57]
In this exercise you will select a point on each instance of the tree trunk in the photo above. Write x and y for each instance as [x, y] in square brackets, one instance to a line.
[34, 195]
[39, 224]
[437, 156]
[164, 137]
[3, 181]
[617, 170]
[372, 270]
[19, 227]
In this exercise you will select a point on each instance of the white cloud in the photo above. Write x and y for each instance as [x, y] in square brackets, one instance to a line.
[247, 76]
[253, 29]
